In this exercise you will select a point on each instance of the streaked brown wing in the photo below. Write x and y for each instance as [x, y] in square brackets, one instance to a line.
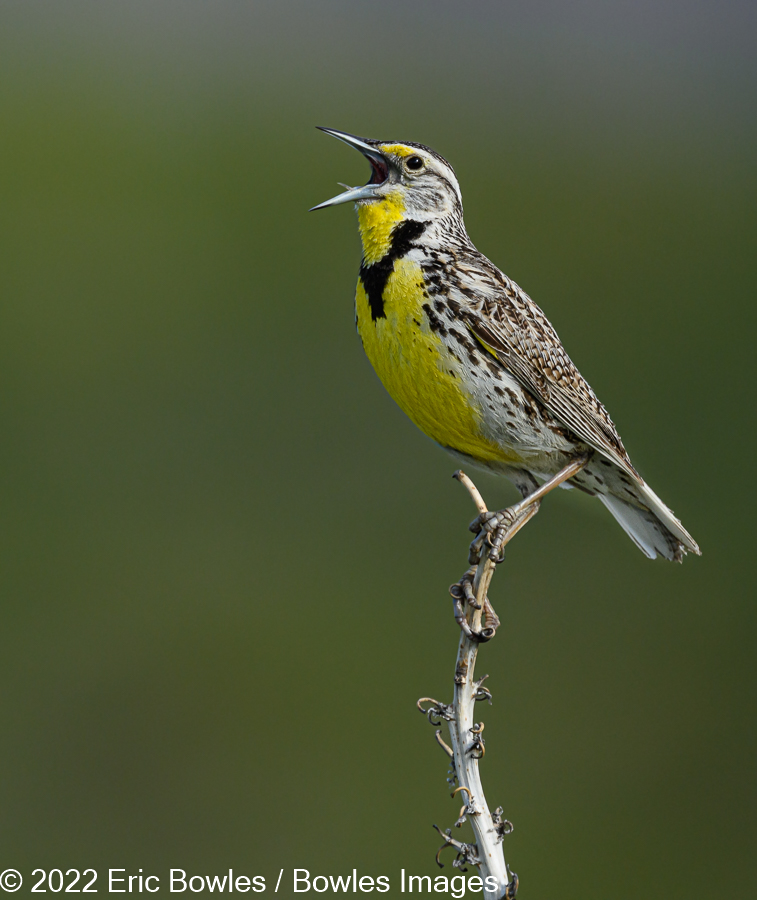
[514, 330]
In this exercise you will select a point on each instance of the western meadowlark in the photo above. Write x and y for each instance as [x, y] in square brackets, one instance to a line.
[470, 357]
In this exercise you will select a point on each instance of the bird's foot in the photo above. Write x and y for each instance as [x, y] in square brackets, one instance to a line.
[462, 590]
[494, 529]
[463, 595]
[490, 529]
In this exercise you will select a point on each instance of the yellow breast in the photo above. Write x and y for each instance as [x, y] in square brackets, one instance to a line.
[417, 369]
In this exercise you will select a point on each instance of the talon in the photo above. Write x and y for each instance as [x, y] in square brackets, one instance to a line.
[467, 585]
[491, 619]
[474, 551]
[491, 536]
[481, 522]
[495, 530]
[461, 619]
[512, 888]
[462, 593]
[497, 552]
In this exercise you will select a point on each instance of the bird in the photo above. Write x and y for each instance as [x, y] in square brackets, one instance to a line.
[470, 357]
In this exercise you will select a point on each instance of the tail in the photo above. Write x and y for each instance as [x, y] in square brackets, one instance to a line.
[651, 525]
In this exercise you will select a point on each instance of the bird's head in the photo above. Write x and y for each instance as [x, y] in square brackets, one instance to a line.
[408, 181]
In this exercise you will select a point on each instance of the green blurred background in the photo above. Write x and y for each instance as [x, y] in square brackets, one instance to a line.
[225, 552]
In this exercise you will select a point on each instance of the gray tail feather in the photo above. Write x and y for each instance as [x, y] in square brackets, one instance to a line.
[653, 528]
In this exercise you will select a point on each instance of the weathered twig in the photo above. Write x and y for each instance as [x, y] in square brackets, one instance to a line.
[478, 623]
[466, 735]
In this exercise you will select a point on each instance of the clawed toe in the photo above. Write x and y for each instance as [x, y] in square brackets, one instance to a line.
[493, 530]
[489, 521]
[496, 538]
[491, 621]
[463, 595]
[463, 590]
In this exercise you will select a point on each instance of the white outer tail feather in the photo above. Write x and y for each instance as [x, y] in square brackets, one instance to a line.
[655, 531]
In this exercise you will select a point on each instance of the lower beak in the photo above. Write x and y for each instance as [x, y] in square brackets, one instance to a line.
[377, 161]
[367, 192]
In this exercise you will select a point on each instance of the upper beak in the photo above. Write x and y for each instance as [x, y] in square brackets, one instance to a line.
[378, 164]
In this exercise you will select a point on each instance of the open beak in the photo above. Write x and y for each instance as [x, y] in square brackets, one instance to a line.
[378, 176]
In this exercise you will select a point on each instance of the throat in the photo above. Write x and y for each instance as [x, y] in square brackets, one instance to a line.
[375, 275]
[376, 221]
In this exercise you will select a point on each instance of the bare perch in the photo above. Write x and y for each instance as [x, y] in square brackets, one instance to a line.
[478, 623]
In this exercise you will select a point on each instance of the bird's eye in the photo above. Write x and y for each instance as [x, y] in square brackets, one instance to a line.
[414, 163]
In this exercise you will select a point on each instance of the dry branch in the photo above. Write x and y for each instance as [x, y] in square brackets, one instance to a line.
[478, 624]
